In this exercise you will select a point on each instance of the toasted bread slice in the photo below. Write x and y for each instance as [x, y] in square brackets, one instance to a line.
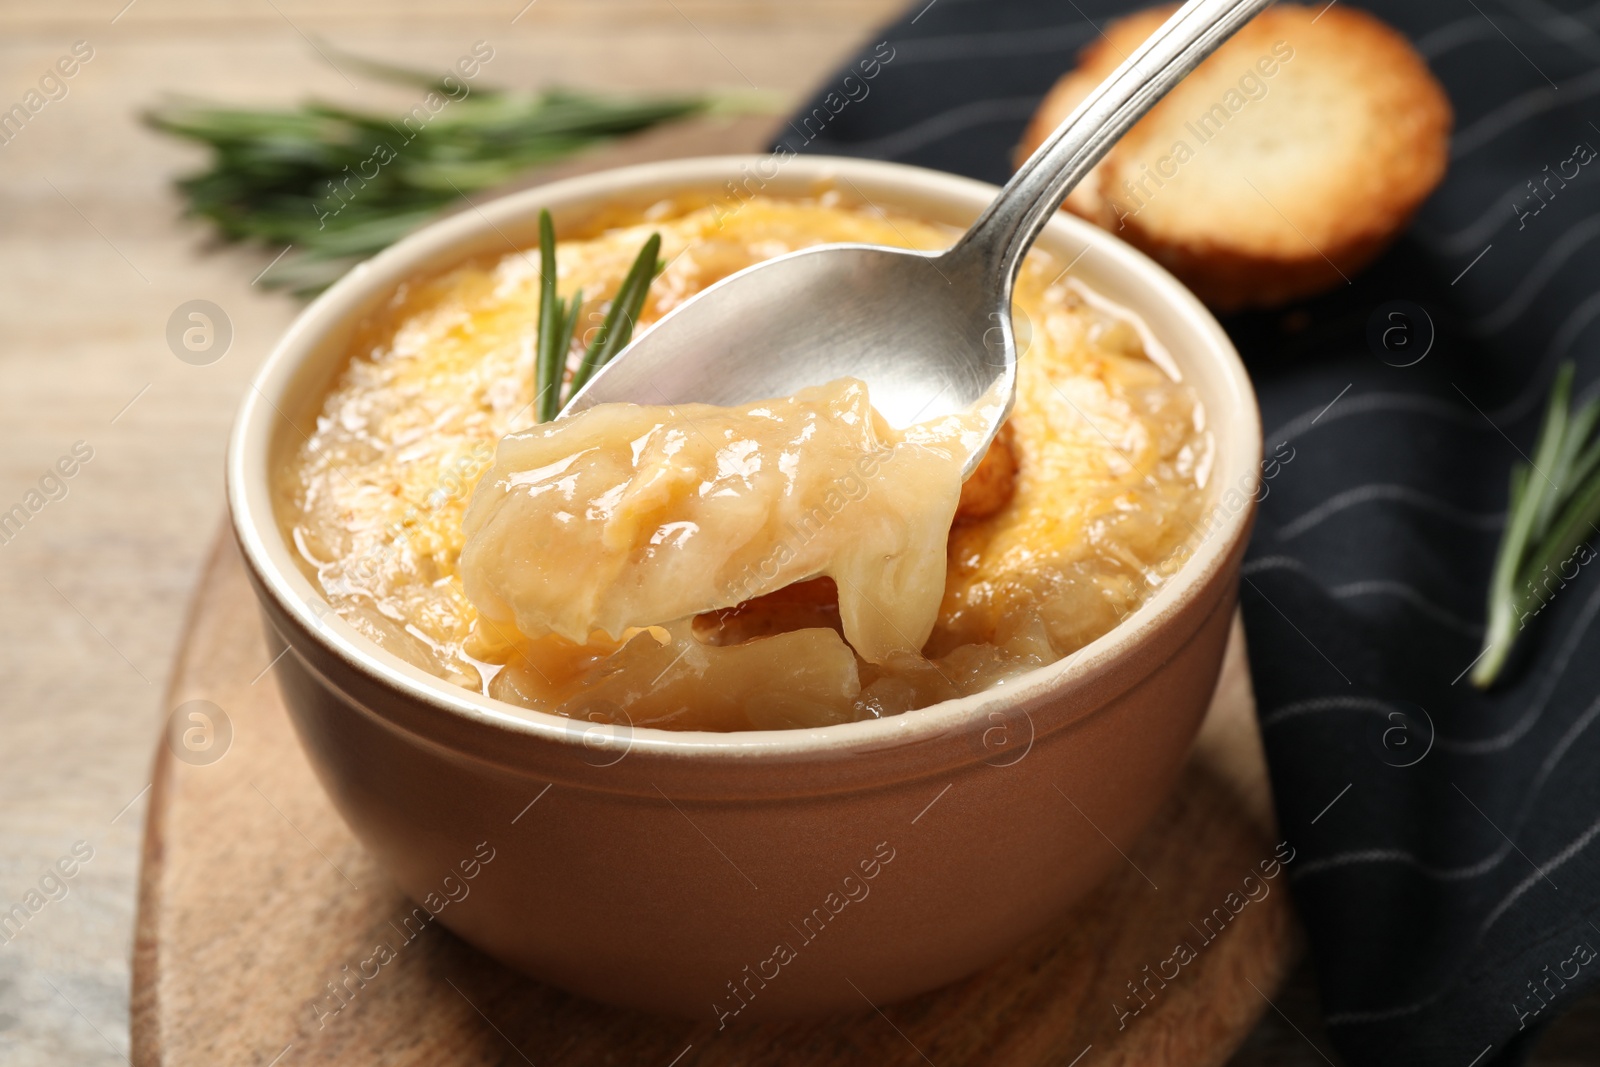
[1285, 163]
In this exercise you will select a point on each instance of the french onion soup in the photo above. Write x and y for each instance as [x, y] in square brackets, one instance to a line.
[787, 563]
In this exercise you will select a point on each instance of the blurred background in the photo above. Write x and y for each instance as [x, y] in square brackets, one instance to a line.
[97, 257]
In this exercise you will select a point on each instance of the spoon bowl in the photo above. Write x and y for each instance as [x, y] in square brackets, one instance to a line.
[929, 333]
[817, 315]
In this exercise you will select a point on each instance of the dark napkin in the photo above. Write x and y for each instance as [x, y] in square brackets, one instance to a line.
[1448, 841]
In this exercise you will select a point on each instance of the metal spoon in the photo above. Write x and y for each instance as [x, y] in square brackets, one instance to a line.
[926, 341]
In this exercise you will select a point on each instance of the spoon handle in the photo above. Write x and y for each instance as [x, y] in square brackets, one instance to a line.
[1006, 230]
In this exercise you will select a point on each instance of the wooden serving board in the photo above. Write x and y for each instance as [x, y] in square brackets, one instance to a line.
[254, 896]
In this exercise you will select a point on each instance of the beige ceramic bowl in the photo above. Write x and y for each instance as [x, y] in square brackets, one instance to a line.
[761, 873]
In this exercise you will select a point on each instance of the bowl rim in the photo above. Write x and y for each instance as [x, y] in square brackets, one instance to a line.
[440, 244]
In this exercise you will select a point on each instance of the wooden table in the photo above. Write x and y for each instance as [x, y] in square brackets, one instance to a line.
[95, 258]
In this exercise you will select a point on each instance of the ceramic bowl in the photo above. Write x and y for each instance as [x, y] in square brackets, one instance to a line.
[730, 876]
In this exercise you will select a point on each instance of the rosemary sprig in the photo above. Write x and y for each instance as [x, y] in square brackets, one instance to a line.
[616, 330]
[1553, 510]
[558, 322]
[551, 358]
[337, 184]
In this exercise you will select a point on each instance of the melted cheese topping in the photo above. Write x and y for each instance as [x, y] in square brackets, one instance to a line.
[1111, 461]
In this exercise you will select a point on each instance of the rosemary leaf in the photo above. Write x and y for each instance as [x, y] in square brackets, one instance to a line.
[1502, 627]
[1572, 529]
[1553, 511]
[558, 322]
[1547, 485]
[1587, 463]
[378, 70]
[617, 329]
[1571, 464]
[551, 358]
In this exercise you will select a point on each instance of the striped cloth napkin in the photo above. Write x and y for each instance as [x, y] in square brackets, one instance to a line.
[1448, 866]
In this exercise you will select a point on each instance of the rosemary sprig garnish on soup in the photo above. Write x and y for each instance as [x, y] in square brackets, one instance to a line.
[558, 320]
[1553, 511]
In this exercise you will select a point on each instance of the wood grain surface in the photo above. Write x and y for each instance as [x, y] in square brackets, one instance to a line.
[254, 896]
